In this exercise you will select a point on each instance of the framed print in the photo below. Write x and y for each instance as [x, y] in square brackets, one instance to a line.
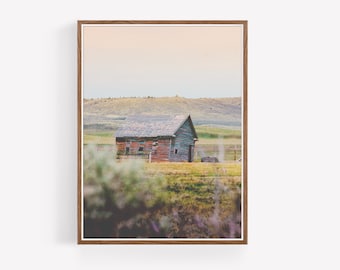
[162, 132]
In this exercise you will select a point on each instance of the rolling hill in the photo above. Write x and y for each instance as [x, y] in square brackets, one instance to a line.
[107, 113]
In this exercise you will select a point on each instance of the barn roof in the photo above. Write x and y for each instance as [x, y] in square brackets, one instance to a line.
[153, 126]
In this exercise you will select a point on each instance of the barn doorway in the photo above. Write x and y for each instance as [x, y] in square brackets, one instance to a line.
[190, 155]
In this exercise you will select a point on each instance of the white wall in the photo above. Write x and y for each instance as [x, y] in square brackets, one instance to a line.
[293, 136]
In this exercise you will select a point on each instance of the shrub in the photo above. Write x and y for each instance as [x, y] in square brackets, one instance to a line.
[119, 200]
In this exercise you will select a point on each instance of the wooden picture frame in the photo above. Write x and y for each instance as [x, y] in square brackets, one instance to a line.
[147, 174]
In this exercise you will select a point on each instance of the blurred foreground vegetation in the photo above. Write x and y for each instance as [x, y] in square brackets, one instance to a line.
[135, 199]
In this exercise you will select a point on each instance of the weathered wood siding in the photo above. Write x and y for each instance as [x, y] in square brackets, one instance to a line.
[180, 145]
[159, 148]
[161, 151]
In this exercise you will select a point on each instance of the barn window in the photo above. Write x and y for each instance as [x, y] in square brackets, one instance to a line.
[176, 151]
[141, 146]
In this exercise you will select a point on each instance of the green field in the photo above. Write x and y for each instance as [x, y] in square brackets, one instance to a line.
[211, 132]
[207, 134]
[99, 137]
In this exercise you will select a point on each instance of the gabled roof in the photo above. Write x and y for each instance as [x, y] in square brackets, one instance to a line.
[153, 126]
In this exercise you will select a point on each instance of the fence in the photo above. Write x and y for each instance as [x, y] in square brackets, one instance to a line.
[221, 152]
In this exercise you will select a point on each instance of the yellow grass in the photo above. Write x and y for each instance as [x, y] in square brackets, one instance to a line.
[192, 185]
[195, 168]
[95, 139]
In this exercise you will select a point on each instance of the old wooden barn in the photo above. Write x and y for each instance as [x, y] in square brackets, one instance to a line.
[158, 138]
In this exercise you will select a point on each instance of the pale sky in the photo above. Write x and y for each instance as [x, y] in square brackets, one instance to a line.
[162, 60]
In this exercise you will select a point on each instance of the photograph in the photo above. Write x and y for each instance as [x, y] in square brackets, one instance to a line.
[162, 132]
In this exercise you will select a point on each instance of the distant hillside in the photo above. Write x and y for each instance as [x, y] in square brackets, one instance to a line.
[107, 113]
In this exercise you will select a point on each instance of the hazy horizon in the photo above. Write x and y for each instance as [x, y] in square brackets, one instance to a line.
[193, 61]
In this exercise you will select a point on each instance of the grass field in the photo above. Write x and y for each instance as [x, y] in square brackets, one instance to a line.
[170, 199]
[194, 200]
[210, 132]
[193, 185]
[195, 169]
[99, 138]
[206, 135]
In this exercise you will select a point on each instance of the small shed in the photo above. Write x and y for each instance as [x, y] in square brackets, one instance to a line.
[158, 138]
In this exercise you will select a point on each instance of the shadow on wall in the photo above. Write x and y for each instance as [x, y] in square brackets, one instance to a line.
[63, 50]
